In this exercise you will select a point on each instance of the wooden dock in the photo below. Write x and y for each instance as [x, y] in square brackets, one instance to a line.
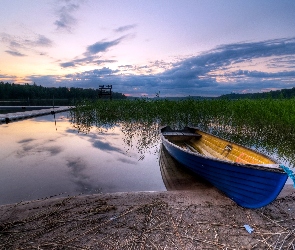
[10, 117]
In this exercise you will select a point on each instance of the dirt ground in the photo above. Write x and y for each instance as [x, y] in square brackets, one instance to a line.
[195, 219]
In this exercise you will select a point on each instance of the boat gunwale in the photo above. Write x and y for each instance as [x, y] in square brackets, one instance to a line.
[263, 167]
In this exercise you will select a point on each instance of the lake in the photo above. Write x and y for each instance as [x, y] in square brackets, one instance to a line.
[46, 156]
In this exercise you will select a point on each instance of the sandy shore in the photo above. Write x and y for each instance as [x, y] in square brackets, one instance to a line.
[197, 219]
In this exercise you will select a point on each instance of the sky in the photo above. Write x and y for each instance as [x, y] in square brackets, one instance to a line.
[150, 47]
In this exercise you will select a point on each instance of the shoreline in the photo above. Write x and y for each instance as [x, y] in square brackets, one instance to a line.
[188, 219]
[192, 214]
[288, 190]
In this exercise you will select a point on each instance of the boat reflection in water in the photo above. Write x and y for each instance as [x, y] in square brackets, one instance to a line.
[177, 177]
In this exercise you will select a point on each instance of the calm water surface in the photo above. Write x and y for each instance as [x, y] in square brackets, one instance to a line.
[46, 156]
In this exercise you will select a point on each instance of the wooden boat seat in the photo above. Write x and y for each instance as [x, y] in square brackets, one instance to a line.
[180, 136]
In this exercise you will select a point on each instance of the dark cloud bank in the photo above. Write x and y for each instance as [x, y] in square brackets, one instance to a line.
[196, 75]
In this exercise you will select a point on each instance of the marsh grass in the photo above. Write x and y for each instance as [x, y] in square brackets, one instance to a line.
[264, 124]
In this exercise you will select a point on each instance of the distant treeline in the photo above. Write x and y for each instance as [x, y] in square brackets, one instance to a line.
[278, 94]
[27, 91]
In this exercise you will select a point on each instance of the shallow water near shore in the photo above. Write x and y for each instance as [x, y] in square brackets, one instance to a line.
[46, 156]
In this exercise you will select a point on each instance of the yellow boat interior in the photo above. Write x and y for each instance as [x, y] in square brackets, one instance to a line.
[212, 146]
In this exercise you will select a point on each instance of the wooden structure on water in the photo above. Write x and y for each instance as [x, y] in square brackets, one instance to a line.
[105, 91]
[25, 113]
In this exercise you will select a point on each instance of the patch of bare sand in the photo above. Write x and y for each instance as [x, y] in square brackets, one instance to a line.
[196, 219]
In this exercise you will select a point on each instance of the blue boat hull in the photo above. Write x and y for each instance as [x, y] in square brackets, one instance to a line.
[248, 186]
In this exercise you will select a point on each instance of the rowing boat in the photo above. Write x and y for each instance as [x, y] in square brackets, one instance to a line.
[248, 177]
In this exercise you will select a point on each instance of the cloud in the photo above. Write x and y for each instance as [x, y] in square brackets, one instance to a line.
[16, 44]
[7, 78]
[65, 18]
[85, 61]
[103, 46]
[92, 75]
[197, 73]
[41, 41]
[287, 62]
[91, 57]
[14, 53]
[29, 42]
[259, 74]
[125, 28]
[88, 79]
[222, 70]
[47, 80]
[67, 64]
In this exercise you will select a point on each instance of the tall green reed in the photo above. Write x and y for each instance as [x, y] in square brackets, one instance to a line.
[265, 124]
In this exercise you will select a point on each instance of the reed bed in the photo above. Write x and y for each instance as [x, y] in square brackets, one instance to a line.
[277, 112]
[267, 125]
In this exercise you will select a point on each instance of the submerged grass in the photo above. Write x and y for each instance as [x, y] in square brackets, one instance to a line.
[262, 123]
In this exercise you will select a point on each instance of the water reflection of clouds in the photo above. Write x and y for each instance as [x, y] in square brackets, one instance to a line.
[25, 140]
[98, 140]
[39, 160]
[30, 147]
[106, 146]
[104, 135]
[78, 167]
[126, 160]
[92, 134]
[104, 141]
[53, 150]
